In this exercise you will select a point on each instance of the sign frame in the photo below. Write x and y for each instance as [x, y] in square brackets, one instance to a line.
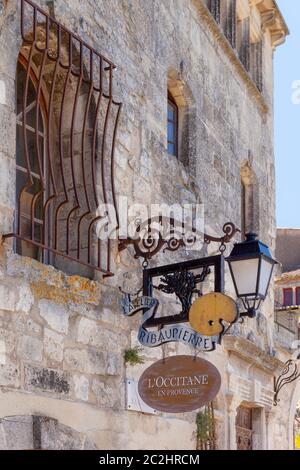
[217, 262]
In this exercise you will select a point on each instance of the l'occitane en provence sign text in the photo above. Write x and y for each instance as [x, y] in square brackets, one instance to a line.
[169, 386]
[179, 383]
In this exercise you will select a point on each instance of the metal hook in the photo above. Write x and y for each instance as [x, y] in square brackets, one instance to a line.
[222, 248]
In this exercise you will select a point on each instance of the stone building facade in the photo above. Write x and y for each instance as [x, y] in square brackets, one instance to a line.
[63, 379]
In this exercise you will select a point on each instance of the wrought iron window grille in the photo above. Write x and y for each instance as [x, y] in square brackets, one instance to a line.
[73, 86]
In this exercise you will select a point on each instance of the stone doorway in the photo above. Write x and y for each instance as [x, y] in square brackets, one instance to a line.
[244, 428]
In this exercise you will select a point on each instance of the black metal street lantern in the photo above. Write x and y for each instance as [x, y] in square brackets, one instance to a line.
[251, 267]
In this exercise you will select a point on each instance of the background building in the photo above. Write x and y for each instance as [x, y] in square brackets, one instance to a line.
[196, 82]
[287, 301]
[287, 293]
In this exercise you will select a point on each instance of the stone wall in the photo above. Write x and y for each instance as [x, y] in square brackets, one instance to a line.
[63, 337]
[39, 433]
[288, 237]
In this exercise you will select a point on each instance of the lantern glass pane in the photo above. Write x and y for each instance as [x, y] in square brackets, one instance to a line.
[245, 275]
[265, 276]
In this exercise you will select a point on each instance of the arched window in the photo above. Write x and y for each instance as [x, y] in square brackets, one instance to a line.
[181, 119]
[243, 41]
[30, 196]
[172, 126]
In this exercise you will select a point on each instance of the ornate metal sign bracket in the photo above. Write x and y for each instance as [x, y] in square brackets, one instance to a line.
[161, 233]
[289, 374]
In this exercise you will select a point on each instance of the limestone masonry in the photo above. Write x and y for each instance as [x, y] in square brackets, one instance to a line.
[63, 378]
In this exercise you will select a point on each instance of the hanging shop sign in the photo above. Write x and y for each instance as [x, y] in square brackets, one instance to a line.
[179, 384]
[176, 332]
[209, 312]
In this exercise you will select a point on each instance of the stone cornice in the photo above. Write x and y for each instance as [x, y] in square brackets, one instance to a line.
[252, 353]
[272, 20]
[285, 278]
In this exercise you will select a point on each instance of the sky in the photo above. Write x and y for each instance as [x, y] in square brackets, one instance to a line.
[287, 119]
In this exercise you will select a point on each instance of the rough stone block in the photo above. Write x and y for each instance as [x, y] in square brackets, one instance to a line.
[90, 332]
[81, 387]
[18, 432]
[89, 445]
[7, 175]
[115, 364]
[56, 316]
[9, 339]
[30, 349]
[89, 360]
[7, 91]
[26, 299]
[3, 445]
[8, 298]
[7, 130]
[49, 380]
[9, 375]
[53, 344]
[2, 352]
[106, 395]
[33, 327]
[59, 437]
[7, 219]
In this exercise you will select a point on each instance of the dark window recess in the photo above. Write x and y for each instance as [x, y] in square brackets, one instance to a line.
[172, 130]
[288, 297]
[243, 42]
[230, 22]
[256, 64]
[67, 121]
[298, 296]
[214, 7]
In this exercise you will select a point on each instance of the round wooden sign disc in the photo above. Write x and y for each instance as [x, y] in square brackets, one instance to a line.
[207, 312]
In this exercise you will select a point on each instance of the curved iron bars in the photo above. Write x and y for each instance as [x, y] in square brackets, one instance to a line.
[74, 89]
[161, 233]
[289, 374]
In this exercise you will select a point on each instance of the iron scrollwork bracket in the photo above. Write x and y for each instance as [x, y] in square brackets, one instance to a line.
[289, 374]
[161, 233]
